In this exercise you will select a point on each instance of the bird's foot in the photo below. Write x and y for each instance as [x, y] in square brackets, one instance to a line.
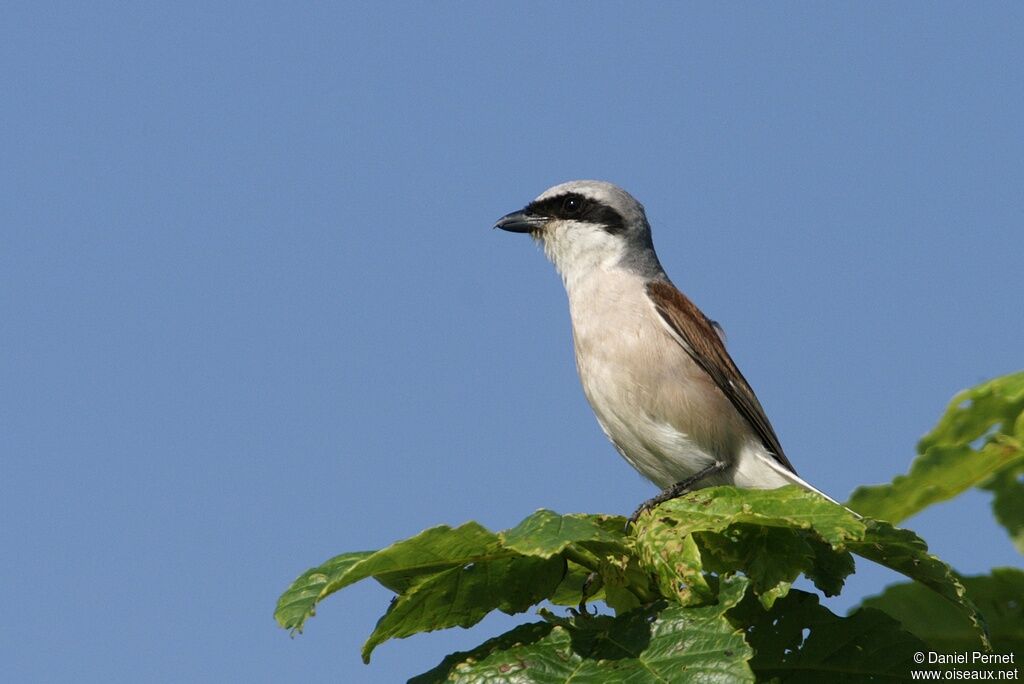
[654, 501]
[675, 491]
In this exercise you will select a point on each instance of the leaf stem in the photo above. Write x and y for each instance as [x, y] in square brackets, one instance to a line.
[582, 557]
[588, 560]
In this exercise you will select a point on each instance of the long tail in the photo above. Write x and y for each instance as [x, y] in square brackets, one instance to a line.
[791, 477]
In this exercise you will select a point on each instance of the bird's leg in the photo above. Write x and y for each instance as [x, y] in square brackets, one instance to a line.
[677, 490]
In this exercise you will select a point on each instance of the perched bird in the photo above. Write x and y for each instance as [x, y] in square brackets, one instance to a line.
[654, 368]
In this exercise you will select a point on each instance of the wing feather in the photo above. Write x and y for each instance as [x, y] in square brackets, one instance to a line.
[698, 336]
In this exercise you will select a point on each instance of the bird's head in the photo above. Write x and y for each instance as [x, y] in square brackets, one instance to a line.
[585, 225]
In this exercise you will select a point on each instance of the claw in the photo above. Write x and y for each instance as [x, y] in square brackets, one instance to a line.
[631, 520]
[676, 490]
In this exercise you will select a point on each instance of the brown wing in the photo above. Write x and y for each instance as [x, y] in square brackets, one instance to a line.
[697, 335]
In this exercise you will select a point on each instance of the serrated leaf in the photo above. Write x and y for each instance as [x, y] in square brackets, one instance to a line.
[675, 561]
[621, 577]
[298, 603]
[446, 577]
[949, 462]
[396, 567]
[1008, 502]
[599, 541]
[463, 595]
[546, 533]
[448, 670]
[771, 557]
[829, 567]
[973, 412]
[770, 535]
[570, 589]
[620, 599]
[658, 644]
[799, 641]
[716, 508]
[940, 473]
[906, 553]
[999, 597]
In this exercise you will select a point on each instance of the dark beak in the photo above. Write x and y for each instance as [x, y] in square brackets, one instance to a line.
[520, 222]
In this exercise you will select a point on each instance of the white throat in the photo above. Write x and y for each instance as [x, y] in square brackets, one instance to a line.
[589, 252]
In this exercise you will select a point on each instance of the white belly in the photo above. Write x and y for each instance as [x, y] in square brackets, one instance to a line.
[662, 412]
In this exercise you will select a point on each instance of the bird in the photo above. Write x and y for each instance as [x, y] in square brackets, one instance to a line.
[654, 368]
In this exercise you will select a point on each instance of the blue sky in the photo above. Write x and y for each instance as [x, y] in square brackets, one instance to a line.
[253, 313]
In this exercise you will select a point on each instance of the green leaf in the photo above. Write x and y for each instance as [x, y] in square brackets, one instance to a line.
[769, 535]
[570, 589]
[675, 560]
[829, 567]
[973, 412]
[716, 508]
[774, 535]
[396, 567]
[906, 553]
[546, 533]
[771, 557]
[460, 664]
[626, 585]
[656, 644]
[1008, 503]
[463, 595]
[589, 543]
[999, 597]
[940, 473]
[447, 577]
[948, 461]
[299, 602]
[798, 641]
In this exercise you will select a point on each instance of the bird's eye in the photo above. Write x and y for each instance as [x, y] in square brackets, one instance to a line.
[572, 206]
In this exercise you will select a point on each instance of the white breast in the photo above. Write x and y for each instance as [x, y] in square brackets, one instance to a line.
[661, 410]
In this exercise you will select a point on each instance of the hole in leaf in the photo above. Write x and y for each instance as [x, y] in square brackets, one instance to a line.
[985, 437]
